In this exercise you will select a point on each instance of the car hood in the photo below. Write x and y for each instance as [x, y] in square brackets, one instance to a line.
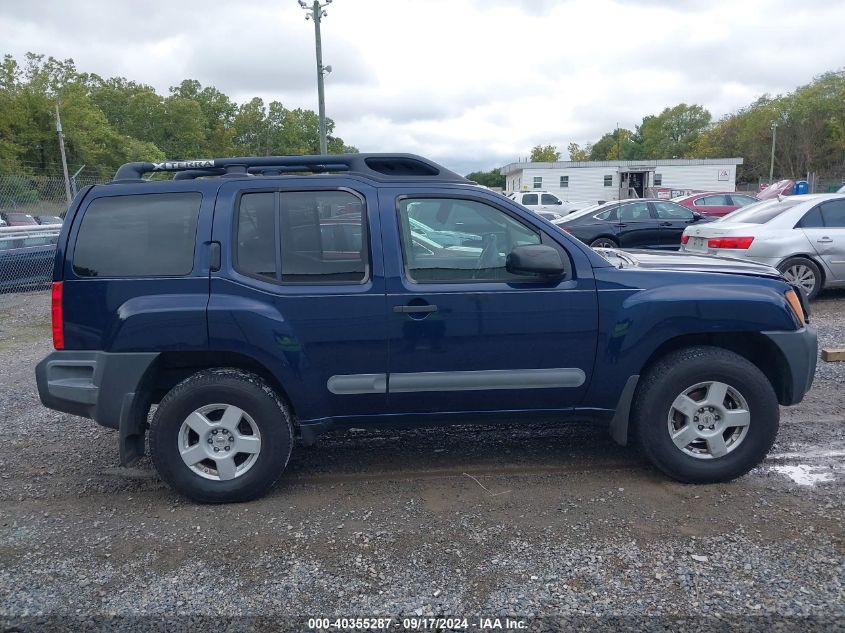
[661, 260]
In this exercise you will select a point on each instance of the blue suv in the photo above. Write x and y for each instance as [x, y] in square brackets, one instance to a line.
[254, 303]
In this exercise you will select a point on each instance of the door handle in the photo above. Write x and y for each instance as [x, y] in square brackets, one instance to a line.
[665, 224]
[414, 309]
[824, 240]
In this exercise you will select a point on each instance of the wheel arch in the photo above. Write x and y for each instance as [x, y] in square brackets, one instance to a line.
[813, 257]
[753, 346]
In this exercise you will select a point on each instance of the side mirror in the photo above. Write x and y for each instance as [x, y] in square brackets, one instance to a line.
[696, 216]
[535, 258]
[559, 201]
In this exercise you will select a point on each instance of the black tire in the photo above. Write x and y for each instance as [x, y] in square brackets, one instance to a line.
[796, 263]
[676, 372]
[225, 386]
[604, 242]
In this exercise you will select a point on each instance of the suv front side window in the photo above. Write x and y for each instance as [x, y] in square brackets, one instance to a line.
[428, 262]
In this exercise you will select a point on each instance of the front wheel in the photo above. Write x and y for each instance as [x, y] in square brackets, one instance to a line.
[804, 273]
[220, 436]
[705, 415]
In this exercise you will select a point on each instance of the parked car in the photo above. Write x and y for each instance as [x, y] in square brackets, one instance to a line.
[226, 302]
[632, 223]
[715, 204]
[16, 218]
[536, 200]
[48, 219]
[802, 236]
[26, 260]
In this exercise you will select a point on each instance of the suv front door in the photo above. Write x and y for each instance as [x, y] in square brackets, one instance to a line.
[300, 291]
[464, 334]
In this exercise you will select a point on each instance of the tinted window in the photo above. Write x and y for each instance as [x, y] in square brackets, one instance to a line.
[497, 233]
[610, 214]
[634, 212]
[321, 237]
[548, 198]
[147, 235]
[812, 219]
[256, 236]
[833, 213]
[530, 199]
[671, 211]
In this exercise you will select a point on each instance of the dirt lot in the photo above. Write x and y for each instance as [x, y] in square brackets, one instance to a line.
[475, 521]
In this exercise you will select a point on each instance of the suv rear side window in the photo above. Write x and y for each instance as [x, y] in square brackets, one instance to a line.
[148, 235]
[318, 237]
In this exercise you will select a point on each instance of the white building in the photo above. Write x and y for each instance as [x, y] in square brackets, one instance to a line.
[616, 179]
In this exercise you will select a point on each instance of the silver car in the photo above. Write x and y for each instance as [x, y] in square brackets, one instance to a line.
[802, 236]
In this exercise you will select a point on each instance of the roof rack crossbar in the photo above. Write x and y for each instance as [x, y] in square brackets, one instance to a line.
[375, 166]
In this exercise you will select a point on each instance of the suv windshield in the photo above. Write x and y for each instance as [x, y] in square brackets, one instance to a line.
[761, 212]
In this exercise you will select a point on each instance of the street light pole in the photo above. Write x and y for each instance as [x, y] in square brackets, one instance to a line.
[772, 164]
[317, 12]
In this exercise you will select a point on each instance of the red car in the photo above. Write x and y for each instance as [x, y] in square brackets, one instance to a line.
[715, 204]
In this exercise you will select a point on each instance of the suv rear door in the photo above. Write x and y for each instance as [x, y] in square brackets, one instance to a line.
[467, 336]
[300, 289]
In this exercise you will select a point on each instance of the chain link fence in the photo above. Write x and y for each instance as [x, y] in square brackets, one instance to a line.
[31, 213]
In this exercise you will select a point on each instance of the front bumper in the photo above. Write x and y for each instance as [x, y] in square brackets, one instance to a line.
[800, 350]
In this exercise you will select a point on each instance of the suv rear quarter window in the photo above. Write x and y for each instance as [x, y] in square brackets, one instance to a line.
[147, 235]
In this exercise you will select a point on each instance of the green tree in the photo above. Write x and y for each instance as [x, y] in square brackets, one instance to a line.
[492, 178]
[544, 154]
[576, 152]
[674, 132]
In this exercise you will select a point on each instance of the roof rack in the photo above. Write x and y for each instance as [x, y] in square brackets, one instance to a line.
[375, 166]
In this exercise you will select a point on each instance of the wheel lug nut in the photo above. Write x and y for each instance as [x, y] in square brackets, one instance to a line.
[695, 419]
[214, 432]
[700, 427]
[210, 440]
[718, 418]
[216, 450]
[710, 409]
[712, 427]
[227, 447]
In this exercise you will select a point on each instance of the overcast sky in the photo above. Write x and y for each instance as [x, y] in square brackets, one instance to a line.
[470, 83]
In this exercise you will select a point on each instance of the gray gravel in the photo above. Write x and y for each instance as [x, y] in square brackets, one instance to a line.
[536, 520]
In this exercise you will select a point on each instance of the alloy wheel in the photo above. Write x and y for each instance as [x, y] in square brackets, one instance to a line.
[219, 442]
[709, 420]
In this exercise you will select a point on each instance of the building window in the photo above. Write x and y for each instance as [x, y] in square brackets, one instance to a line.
[538, 182]
[608, 181]
[658, 180]
[564, 182]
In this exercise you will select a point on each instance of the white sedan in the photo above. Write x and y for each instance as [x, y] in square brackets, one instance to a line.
[802, 236]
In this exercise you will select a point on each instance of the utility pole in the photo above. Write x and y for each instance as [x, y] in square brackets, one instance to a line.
[317, 12]
[772, 164]
[62, 150]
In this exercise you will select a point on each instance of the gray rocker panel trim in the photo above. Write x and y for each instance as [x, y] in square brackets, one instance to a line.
[554, 378]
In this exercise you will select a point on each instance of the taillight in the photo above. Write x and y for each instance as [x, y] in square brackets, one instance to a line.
[58, 318]
[684, 239]
[730, 242]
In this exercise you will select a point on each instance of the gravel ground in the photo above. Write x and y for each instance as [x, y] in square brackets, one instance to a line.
[535, 521]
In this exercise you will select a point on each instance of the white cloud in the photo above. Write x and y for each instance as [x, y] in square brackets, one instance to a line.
[472, 83]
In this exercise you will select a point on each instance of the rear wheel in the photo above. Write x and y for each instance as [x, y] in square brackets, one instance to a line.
[803, 272]
[604, 242]
[705, 415]
[221, 435]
